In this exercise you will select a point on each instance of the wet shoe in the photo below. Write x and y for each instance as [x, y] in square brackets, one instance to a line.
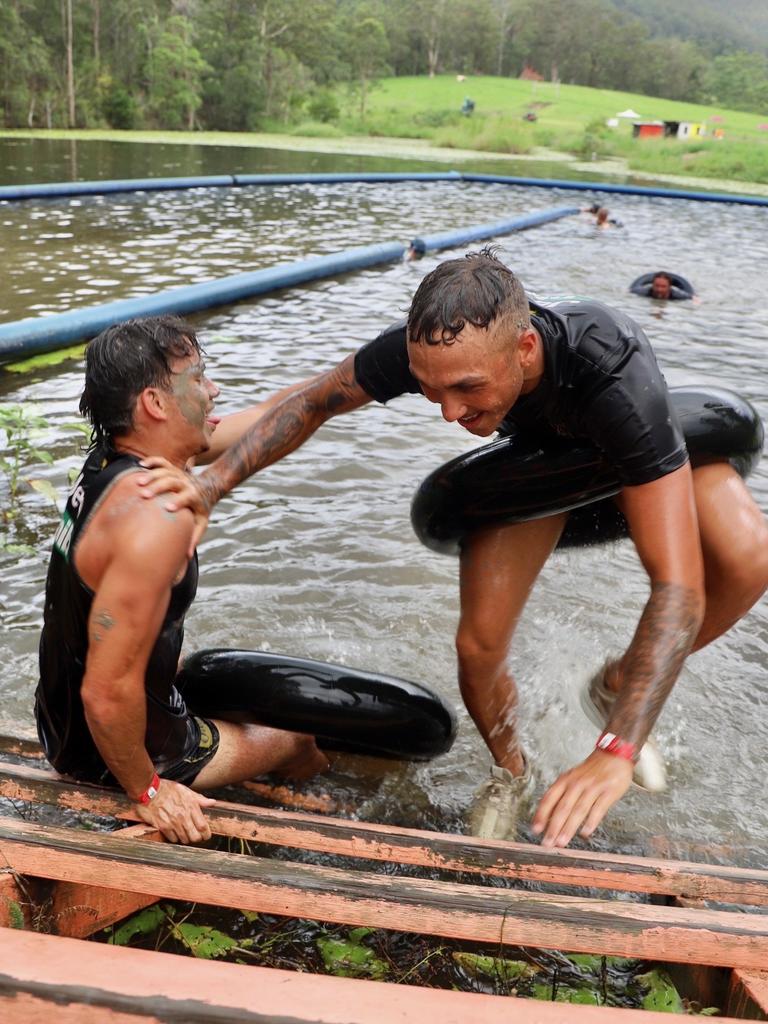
[597, 703]
[499, 803]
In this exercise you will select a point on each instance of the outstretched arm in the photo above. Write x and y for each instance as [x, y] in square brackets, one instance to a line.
[283, 428]
[278, 429]
[664, 528]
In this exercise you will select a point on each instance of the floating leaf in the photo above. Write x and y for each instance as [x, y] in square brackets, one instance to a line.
[494, 967]
[46, 359]
[347, 958]
[206, 942]
[567, 994]
[143, 923]
[661, 994]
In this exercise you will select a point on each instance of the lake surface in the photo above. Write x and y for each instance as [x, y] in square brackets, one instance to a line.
[316, 556]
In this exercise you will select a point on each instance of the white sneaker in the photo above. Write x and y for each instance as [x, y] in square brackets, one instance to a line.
[499, 802]
[597, 703]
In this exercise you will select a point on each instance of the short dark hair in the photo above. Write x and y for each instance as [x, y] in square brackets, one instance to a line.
[474, 289]
[663, 275]
[122, 361]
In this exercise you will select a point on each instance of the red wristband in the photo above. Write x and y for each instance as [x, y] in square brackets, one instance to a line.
[150, 792]
[610, 743]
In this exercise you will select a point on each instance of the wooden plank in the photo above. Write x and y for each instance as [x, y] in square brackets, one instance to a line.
[73, 982]
[79, 910]
[427, 849]
[749, 995]
[503, 916]
[21, 747]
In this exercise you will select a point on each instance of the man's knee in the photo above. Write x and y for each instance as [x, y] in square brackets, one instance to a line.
[738, 560]
[478, 646]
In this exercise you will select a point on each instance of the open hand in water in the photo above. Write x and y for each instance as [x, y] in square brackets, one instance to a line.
[579, 800]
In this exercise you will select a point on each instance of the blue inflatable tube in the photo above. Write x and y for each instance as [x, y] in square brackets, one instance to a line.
[626, 190]
[449, 239]
[62, 189]
[24, 338]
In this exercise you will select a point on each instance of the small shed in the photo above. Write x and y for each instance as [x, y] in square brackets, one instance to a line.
[690, 130]
[647, 129]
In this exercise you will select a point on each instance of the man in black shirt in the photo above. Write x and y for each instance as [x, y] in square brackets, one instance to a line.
[120, 581]
[475, 346]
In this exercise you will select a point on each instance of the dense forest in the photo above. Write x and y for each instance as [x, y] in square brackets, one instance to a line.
[243, 65]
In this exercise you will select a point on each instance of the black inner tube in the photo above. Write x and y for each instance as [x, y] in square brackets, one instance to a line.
[345, 709]
[518, 478]
[681, 288]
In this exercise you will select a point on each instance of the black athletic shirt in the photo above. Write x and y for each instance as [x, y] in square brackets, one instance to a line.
[61, 722]
[601, 382]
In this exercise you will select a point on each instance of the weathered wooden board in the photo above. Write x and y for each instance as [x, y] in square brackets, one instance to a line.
[44, 978]
[749, 995]
[470, 912]
[523, 861]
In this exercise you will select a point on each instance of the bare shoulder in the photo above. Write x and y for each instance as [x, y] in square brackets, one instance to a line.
[134, 531]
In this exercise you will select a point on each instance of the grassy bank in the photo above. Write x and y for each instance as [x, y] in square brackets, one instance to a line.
[420, 119]
[569, 118]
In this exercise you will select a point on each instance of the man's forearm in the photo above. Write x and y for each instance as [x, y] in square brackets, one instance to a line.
[663, 639]
[118, 730]
[282, 429]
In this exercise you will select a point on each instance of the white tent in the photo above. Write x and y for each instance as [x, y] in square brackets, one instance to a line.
[628, 113]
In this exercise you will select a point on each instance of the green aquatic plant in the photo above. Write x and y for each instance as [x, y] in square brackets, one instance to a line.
[22, 426]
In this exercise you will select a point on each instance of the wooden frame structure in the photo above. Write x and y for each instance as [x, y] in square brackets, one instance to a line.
[718, 954]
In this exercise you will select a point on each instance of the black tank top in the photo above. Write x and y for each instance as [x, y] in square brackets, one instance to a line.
[61, 722]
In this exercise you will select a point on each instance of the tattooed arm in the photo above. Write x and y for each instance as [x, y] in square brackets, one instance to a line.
[281, 425]
[283, 428]
[664, 528]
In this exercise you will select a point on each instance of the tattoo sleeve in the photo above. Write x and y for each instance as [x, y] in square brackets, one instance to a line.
[282, 429]
[664, 637]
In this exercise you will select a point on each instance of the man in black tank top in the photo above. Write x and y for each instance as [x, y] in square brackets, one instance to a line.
[492, 361]
[121, 578]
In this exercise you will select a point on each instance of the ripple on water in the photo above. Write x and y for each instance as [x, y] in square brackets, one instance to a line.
[317, 557]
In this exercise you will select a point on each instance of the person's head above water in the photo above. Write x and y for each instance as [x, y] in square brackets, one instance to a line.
[471, 344]
[602, 216]
[160, 354]
[661, 286]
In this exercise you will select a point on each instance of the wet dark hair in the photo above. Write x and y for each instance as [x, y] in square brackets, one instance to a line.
[476, 289]
[663, 276]
[122, 361]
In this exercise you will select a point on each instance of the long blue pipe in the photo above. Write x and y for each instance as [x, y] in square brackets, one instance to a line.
[61, 189]
[23, 338]
[449, 239]
[627, 190]
[76, 188]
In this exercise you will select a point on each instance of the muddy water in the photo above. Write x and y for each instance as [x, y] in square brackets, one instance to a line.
[316, 557]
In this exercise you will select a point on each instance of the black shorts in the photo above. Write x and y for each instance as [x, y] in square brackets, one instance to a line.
[200, 748]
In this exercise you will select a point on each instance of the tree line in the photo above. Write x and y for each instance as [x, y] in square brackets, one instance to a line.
[243, 65]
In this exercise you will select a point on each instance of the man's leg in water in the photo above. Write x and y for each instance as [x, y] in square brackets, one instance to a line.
[247, 750]
[734, 544]
[498, 569]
